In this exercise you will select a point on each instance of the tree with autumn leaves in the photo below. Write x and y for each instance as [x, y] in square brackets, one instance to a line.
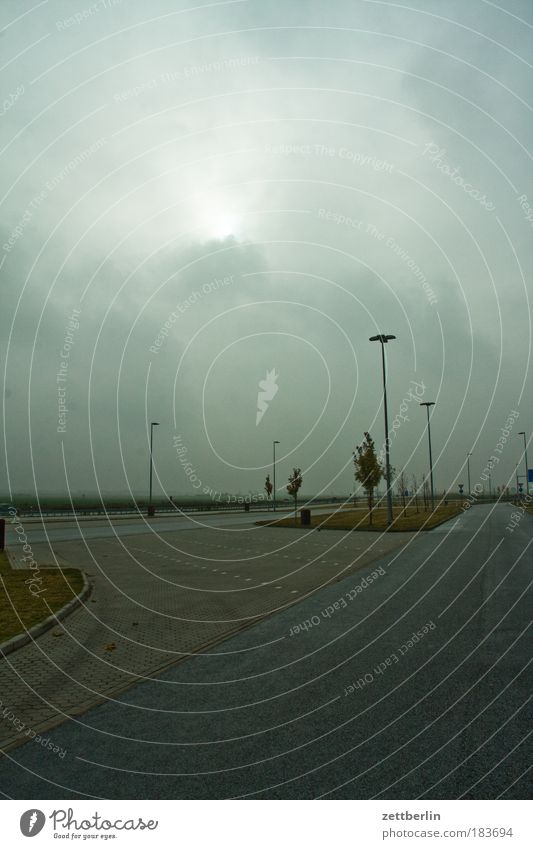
[368, 469]
[295, 482]
[268, 488]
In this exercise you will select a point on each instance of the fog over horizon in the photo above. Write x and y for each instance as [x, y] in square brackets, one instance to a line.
[195, 200]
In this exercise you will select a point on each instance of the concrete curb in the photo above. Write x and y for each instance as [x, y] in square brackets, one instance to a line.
[12, 560]
[37, 630]
[266, 524]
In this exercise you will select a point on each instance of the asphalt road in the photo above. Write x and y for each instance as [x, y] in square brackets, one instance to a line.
[274, 713]
[72, 530]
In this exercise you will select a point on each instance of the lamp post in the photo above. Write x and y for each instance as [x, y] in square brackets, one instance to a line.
[523, 433]
[427, 405]
[275, 442]
[150, 506]
[468, 468]
[381, 337]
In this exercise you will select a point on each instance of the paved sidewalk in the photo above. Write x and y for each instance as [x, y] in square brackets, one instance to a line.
[156, 600]
[418, 687]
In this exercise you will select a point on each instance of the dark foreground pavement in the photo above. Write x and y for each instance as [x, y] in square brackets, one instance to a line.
[267, 714]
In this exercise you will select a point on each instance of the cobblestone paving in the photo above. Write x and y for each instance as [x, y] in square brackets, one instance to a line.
[156, 600]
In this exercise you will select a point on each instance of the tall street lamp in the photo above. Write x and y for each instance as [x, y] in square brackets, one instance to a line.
[427, 405]
[523, 433]
[150, 506]
[381, 337]
[276, 442]
[468, 468]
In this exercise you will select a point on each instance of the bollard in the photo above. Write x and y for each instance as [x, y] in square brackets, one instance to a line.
[2, 534]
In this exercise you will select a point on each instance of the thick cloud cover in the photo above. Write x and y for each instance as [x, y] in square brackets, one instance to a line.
[240, 187]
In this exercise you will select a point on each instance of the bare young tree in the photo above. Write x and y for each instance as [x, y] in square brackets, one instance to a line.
[415, 492]
[401, 488]
[426, 494]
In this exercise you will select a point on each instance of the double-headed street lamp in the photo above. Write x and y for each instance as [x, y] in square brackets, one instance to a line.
[152, 425]
[427, 405]
[381, 337]
[468, 469]
[276, 442]
[523, 433]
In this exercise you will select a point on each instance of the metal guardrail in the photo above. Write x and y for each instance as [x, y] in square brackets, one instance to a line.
[207, 506]
[140, 510]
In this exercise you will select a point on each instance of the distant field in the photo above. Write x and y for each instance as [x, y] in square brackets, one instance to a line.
[55, 503]
[92, 504]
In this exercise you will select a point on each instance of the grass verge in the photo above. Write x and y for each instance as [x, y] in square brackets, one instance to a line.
[19, 609]
[359, 520]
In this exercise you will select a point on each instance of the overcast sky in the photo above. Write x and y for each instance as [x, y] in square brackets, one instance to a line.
[221, 190]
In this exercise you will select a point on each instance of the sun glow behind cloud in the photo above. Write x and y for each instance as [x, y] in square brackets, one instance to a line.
[223, 225]
[214, 217]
